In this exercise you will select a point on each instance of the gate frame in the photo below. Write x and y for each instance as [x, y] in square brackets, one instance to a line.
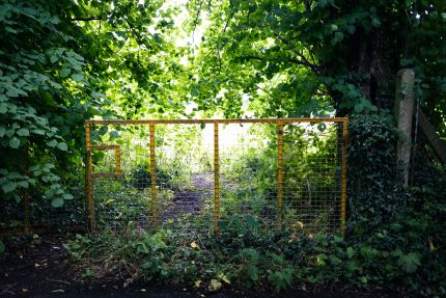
[280, 123]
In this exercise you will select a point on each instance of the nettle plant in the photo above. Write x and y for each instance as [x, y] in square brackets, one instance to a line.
[38, 77]
[21, 138]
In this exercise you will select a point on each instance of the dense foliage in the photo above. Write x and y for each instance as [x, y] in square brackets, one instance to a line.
[41, 91]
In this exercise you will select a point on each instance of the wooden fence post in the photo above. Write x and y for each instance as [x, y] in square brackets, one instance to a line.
[404, 105]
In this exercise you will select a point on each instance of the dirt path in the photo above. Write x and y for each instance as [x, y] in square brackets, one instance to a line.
[190, 200]
[40, 267]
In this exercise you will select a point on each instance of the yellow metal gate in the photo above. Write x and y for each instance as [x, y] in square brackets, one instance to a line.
[302, 160]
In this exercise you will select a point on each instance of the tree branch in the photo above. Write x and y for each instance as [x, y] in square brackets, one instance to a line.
[196, 21]
[302, 62]
[88, 19]
[219, 46]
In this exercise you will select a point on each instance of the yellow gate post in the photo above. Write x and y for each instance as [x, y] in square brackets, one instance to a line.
[216, 213]
[153, 191]
[89, 179]
[280, 174]
[118, 170]
[345, 140]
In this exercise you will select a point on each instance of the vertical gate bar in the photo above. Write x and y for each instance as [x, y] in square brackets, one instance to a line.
[343, 209]
[153, 191]
[216, 213]
[117, 160]
[89, 179]
[280, 173]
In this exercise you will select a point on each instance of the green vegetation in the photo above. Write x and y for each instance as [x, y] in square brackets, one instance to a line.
[65, 61]
[394, 240]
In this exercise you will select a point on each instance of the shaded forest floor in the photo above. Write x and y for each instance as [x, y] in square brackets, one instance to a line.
[40, 268]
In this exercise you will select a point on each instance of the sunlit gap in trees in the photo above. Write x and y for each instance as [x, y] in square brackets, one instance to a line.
[187, 38]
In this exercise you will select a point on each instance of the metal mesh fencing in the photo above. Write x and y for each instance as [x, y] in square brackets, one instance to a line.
[36, 215]
[196, 174]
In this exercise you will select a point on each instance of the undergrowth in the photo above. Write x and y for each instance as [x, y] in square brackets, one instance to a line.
[247, 254]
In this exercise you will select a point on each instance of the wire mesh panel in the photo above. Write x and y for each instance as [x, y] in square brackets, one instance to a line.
[248, 161]
[195, 174]
[119, 157]
[149, 175]
[312, 160]
[184, 169]
[35, 214]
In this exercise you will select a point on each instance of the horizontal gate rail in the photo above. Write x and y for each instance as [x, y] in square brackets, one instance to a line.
[222, 121]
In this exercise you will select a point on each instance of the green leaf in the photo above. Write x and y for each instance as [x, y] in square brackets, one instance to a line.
[54, 58]
[65, 72]
[14, 143]
[214, 285]
[2, 248]
[77, 77]
[23, 184]
[253, 273]
[376, 22]
[52, 143]
[23, 132]
[114, 134]
[9, 187]
[57, 202]
[67, 196]
[338, 37]
[350, 252]
[410, 262]
[15, 92]
[62, 146]
[40, 132]
[2, 131]
[321, 260]
[54, 20]
[335, 260]
[3, 108]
